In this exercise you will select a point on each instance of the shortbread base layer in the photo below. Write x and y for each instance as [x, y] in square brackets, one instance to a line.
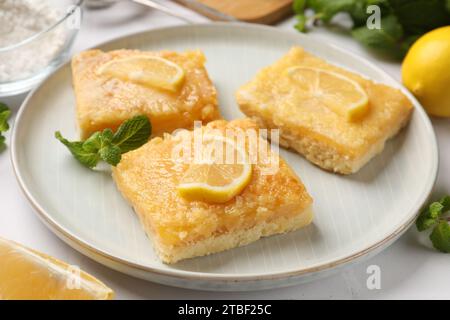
[324, 155]
[239, 238]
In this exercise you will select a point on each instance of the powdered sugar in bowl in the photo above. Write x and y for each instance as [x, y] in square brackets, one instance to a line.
[35, 38]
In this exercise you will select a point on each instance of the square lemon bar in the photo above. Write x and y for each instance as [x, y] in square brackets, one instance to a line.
[270, 203]
[329, 136]
[104, 100]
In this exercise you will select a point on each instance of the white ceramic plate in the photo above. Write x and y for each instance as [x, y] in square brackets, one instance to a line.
[355, 215]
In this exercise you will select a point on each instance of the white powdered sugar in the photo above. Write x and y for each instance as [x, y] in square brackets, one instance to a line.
[19, 20]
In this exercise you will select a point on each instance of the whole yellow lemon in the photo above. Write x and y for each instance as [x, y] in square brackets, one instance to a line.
[426, 71]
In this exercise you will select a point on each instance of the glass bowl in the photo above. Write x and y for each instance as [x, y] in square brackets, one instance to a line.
[27, 60]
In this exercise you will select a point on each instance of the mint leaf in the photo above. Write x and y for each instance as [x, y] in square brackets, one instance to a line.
[108, 146]
[420, 16]
[385, 39]
[326, 10]
[430, 216]
[445, 202]
[301, 22]
[93, 143]
[440, 237]
[359, 13]
[111, 154]
[299, 6]
[5, 113]
[107, 136]
[2, 143]
[86, 156]
[433, 216]
[4, 116]
[133, 133]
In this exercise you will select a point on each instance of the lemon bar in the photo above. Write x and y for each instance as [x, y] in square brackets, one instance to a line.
[323, 135]
[105, 101]
[271, 203]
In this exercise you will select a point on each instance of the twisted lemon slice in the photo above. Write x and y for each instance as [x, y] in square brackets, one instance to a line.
[28, 274]
[221, 175]
[145, 70]
[339, 93]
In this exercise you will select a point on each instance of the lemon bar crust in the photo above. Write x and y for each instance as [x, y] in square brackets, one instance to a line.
[239, 238]
[324, 155]
[180, 229]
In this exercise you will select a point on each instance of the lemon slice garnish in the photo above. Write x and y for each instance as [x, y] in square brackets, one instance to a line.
[145, 70]
[217, 179]
[339, 93]
[27, 274]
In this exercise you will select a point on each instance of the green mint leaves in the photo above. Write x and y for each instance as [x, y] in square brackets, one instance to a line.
[109, 146]
[440, 237]
[386, 39]
[402, 21]
[132, 134]
[5, 113]
[433, 215]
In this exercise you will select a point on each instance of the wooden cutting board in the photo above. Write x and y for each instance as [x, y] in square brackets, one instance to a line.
[256, 11]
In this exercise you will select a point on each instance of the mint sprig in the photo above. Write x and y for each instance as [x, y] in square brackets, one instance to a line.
[108, 146]
[5, 113]
[434, 216]
[402, 21]
[386, 39]
[440, 237]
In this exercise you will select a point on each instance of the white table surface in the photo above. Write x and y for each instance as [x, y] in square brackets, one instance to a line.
[409, 269]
